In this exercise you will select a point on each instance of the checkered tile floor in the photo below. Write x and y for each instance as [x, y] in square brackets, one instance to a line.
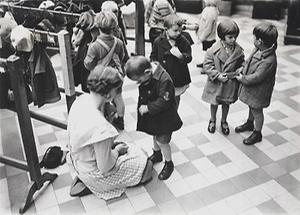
[213, 174]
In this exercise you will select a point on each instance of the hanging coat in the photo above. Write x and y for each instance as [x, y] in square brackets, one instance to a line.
[43, 79]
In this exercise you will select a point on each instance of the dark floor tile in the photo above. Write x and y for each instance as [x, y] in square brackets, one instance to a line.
[277, 115]
[190, 202]
[161, 195]
[155, 183]
[259, 176]
[150, 211]
[47, 138]
[271, 207]
[276, 139]
[288, 182]
[2, 172]
[63, 180]
[274, 170]
[290, 163]
[276, 126]
[218, 159]
[259, 157]
[242, 182]
[198, 139]
[208, 195]
[186, 169]
[226, 188]
[193, 153]
[20, 181]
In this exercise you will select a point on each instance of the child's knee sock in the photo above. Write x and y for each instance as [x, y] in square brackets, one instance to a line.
[166, 150]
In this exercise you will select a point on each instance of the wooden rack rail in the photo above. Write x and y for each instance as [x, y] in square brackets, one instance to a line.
[15, 70]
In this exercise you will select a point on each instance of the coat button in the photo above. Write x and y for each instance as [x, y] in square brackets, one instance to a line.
[164, 61]
[149, 92]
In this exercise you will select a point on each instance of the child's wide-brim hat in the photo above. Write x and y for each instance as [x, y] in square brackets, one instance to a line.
[22, 39]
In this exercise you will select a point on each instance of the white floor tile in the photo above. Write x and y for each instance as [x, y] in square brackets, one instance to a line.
[220, 207]
[256, 195]
[122, 206]
[239, 202]
[141, 202]
[179, 188]
[288, 202]
[273, 189]
[203, 164]
[45, 199]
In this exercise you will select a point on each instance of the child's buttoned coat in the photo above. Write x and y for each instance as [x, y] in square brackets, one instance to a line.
[177, 68]
[217, 62]
[159, 96]
[259, 78]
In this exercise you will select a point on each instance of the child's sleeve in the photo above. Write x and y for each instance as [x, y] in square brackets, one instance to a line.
[186, 52]
[154, 52]
[90, 60]
[164, 100]
[209, 66]
[263, 71]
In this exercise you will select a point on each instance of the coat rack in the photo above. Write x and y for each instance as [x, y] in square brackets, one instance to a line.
[14, 68]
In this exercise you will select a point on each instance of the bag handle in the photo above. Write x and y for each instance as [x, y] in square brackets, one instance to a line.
[106, 60]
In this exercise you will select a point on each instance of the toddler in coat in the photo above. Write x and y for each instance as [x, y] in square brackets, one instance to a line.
[157, 113]
[223, 61]
[258, 79]
[173, 51]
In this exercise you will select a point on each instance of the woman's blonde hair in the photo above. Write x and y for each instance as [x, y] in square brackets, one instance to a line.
[103, 79]
[106, 21]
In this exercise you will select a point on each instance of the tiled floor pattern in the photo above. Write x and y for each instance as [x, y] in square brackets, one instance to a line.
[213, 174]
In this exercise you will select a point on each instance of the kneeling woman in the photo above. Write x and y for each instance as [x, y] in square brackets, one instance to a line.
[106, 167]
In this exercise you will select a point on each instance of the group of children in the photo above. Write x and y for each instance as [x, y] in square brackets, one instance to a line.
[164, 77]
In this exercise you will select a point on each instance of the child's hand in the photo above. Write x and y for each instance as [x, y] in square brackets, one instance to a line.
[175, 52]
[223, 78]
[122, 148]
[239, 77]
[143, 109]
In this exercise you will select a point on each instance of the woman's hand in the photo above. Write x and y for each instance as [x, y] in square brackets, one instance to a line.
[122, 148]
[239, 77]
[223, 77]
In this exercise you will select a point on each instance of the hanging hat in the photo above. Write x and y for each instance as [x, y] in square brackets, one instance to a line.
[22, 39]
[46, 5]
[6, 26]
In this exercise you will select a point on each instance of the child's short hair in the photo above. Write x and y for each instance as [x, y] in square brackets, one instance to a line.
[136, 66]
[172, 20]
[106, 21]
[109, 6]
[103, 79]
[267, 32]
[210, 3]
[227, 27]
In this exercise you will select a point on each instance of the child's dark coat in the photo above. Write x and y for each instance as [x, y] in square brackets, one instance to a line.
[177, 69]
[159, 96]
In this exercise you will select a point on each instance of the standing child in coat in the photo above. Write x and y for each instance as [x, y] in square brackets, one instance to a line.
[157, 114]
[258, 79]
[99, 51]
[173, 51]
[223, 61]
[207, 25]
